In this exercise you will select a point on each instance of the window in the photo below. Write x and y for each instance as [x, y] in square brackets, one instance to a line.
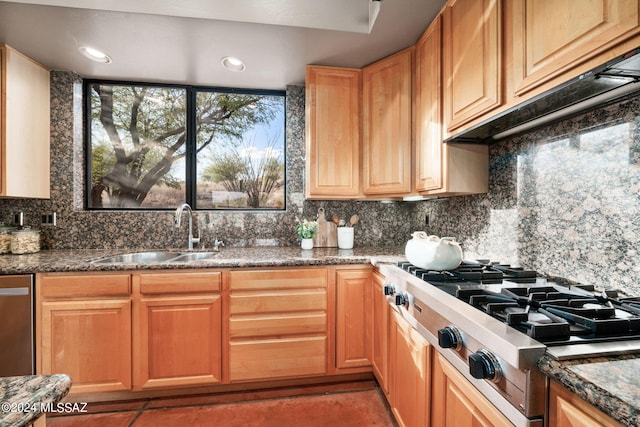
[155, 146]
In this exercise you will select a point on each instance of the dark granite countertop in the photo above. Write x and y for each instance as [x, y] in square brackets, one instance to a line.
[612, 384]
[23, 398]
[229, 257]
[604, 382]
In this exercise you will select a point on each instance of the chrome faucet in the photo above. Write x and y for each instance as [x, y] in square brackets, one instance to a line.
[176, 221]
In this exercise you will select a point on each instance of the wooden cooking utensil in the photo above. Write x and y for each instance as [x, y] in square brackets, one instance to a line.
[354, 220]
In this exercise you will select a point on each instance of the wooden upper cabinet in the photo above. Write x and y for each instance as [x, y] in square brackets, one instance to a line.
[472, 60]
[387, 108]
[24, 126]
[551, 37]
[333, 119]
[428, 105]
[440, 168]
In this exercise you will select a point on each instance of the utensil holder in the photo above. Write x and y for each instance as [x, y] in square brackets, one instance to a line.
[345, 237]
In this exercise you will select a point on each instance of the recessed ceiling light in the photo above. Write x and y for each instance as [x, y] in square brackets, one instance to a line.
[95, 54]
[233, 64]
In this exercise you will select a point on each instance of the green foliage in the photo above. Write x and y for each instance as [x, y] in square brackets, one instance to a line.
[306, 229]
[139, 134]
[242, 169]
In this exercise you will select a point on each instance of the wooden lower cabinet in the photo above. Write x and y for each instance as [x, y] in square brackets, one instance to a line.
[83, 326]
[278, 324]
[157, 330]
[353, 289]
[379, 338]
[457, 403]
[409, 374]
[259, 359]
[86, 324]
[566, 409]
[177, 329]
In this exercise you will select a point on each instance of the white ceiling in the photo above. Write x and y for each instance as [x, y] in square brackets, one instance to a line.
[182, 41]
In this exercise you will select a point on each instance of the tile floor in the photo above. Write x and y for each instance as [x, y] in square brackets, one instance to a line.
[352, 404]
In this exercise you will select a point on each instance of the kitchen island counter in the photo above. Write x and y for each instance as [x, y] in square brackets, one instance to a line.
[24, 397]
[228, 257]
[611, 384]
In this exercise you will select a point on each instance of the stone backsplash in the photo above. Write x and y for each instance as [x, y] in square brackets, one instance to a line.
[79, 228]
[563, 199]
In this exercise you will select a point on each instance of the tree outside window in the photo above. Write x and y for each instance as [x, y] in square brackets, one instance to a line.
[153, 147]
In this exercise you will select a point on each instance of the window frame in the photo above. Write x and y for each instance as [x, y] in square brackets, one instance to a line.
[191, 178]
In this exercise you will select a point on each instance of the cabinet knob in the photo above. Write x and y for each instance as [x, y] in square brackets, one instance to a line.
[450, 337]
[483, 365]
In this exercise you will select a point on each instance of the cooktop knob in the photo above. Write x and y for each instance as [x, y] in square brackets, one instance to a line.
[483, 365]
[450, 337]
[389, 289]
[401, 299]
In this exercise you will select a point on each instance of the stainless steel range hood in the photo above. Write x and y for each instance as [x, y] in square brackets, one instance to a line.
[611, 81]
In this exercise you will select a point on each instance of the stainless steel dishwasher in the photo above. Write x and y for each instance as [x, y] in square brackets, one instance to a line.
[16, 325]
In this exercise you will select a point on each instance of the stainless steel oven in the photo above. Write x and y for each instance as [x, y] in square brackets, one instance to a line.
[16, 325]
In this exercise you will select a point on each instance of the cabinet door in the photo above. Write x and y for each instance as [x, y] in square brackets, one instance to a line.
[351, 318]
[386, 109]
[440, 168]
[553, 36]
[332, 132]
[472, 60]
[568, 410]
[24, 126]
[177, 341]
[410, 374]
[380, 333]
[429, 147]
[457, 403]
[90, 341]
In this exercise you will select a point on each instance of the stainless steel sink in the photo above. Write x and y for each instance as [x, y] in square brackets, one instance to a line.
[156, 257]
[195, 256]
[139, 257]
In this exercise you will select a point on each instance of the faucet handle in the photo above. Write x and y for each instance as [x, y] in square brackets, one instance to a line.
[217, 243]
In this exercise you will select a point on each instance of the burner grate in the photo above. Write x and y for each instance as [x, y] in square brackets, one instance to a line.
[465, 272]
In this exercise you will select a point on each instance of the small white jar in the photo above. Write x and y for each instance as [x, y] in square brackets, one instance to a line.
[345, 237]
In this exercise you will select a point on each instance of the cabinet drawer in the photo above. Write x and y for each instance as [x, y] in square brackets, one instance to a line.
[277, 325]
[171, 282]
[278, 301]
[85, 285]
[265, 359]
[278, 279]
